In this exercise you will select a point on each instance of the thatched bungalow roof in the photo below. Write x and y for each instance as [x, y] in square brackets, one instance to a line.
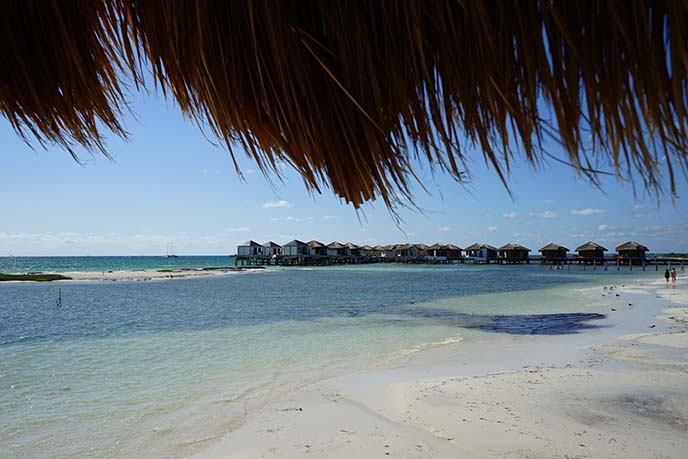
[630, 245]
[436, 246]
[295, 242]
[453, 247]
[367, 248]
[352, 246]
[315, 244]
[335, 246]
[477, 246]
[348, 92]
[511, 246]
[590, 246]
[553, 246]
[272, 245]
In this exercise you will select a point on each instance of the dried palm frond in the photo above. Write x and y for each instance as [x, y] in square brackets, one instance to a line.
[350, 93]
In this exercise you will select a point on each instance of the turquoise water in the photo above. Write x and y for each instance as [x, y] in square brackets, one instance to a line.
[162, 368]
[13, 265]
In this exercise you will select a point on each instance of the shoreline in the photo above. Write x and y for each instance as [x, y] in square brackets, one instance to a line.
[140, 275]
[613, 391]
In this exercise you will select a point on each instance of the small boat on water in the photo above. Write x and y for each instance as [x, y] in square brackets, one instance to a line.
[170, 250]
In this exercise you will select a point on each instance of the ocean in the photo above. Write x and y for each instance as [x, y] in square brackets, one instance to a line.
[164, 367]
[14, 265]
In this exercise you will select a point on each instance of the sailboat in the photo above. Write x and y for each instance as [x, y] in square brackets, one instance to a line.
[170, 250]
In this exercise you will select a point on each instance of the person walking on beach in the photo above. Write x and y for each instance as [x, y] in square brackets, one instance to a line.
[673, 275]
[667, 275]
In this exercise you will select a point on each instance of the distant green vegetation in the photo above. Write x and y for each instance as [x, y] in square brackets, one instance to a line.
[37, 277]
[676, 255]
[165, 270]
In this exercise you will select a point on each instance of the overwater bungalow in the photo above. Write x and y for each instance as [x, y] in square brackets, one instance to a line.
[406, 251]
[368, 251]
[352, 250]
[513, 253]
[439, 251]
[590, 252]
[453, 252]
[271, 249]
[481, 252]
[423, 250]
[388, 251]
[553, 253]
[295, 248]
[436, 251]
[316, 248]
[249, 249]
[631, 252]
[335, 249]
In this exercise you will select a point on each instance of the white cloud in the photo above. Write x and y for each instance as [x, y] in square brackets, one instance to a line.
[241, 229]
[587, 211]
[250, 171]
[510, 215]
[637, 207]
[603, 227]
[328, 217]
[443, 229]
[549, 202]
[545, 214]
[276, 204]
[492, 228]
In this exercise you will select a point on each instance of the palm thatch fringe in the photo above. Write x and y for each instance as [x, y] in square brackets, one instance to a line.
[351, 92]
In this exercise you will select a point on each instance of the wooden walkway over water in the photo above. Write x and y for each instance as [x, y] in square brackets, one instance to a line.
[559, 263]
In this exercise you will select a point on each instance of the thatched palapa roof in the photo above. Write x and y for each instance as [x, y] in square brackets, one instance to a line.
[553, 246]
[590, 246]
[478, 246]
[348, 92]
[511, 246]
[630, 245]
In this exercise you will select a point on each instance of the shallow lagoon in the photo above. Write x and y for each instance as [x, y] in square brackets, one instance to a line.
[164, 367]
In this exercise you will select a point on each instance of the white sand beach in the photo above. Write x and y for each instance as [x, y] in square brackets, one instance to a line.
[616, 391]
[150, 274]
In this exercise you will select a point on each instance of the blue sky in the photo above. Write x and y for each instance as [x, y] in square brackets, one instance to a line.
[169, 183]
